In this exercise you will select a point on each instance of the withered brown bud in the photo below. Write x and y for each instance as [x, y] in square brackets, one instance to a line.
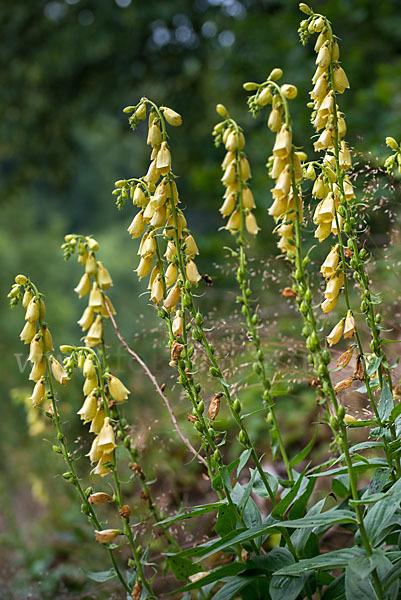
[125, 511]
[288, 293]
[214, 406]
[176, 350]
[205, 477]
[100, 498]
[358, 371]
[137, 468]
[191, 418]
[244, 555]
[345, 358]
[163, 387]
[144, 496]
[344, 384]
[348, 253]
[136, 591]
[314, 381]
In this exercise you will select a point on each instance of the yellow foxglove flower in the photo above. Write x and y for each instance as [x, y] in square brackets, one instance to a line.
[171, 251]
[278, 165]
[87, 317]
[117, 389]
[159, 217]
[103, 310]
[89, 408]
[283, 143]
[278, 208]
[274, 120]
[251, 224]
[247, 198]
[171, 274]
[245, 169]
[27, 297]
[28, 332]
[310, 172]
[97, 421]
[58, 371]
[320, 189]
[228, 159]
[89, 369]
[283, 184]
[329, 267]
[152, 174]
[95, 453]
[234, 141]
[324, 141]
[320, 88]
[335, 335]
[349, 328]
[160, 195]
[144, 267]
[83, 286]
[348, 190]
[323, 231]
[326, 211]
[154, 135]
[139, 199]
[38, 370]
[232, 188]
[96, 329]
[33, 310]
[137, 226]
[192, 273]
[178, 324]
[163, 159]
[107, 535]
[349, 418]
[341, 82]
[36, 349]
[234, 222]
[229, 175]
[172, 298]
[323, 58]
[345, 157]
[191, 249]
[342, 127]
[327, 105]
[103, 277]
[334, 228]
[99, 498]
[91, 265]
[156, 294]
[101, 468]
[106, 440]
[149, 247]
[228, 205]
[173, 118]
[38, 393]
[47, 339]
[95, 297]
[334, 285]
[329, 304]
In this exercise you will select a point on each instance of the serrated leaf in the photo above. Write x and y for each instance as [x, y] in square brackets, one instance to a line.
[330, 560]
[243, 459]
[373, 365]
[357, 587]
[232, 587]
[285, 587]
[216, 575]
[100, 576]
[386, 404]
[259, 487]
[194, 511]
[381, 513]
[304, 453]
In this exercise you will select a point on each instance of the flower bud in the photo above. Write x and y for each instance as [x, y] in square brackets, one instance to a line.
[250, 86]
[289, 91]
[275, 74]
[99, 498]
[172, 117]
[264, 97]
[38, 393]
[58, 371]
[305, 8]
[390, 141]
[20, 279]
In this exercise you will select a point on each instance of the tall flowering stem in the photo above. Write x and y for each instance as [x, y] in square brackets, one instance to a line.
[334, 189]
[286, 169]
[238, 205]
[45, 370]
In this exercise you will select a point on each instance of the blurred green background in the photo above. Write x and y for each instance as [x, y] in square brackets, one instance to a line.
[68, 67]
